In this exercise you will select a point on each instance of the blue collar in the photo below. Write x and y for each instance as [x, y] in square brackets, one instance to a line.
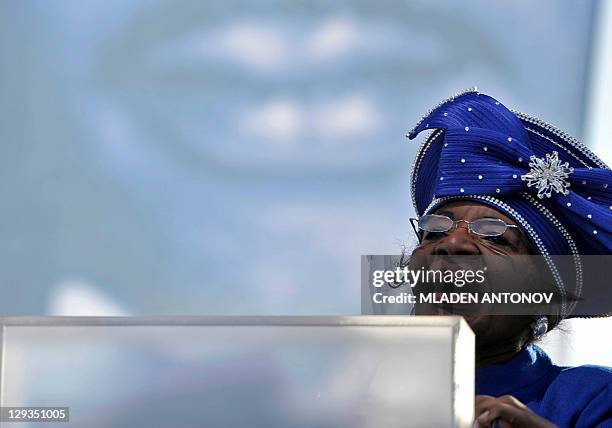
[525, 376]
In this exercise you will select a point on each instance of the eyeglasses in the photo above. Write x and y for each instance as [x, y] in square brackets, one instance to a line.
[435, 223]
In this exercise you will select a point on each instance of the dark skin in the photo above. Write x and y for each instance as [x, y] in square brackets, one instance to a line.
[498, 337]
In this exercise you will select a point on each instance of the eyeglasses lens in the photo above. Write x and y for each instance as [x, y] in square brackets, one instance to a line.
[435, 223]
[488, 227]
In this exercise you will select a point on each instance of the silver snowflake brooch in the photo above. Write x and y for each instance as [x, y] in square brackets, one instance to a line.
[548, 175]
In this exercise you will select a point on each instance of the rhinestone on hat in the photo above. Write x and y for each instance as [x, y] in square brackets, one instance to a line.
[548, 175]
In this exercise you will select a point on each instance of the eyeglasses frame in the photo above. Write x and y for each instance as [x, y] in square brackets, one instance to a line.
[454, 226]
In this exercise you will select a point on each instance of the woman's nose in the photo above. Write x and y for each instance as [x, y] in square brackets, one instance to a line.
[458, 241]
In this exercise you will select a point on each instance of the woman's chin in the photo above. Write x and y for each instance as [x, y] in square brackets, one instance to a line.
[476, 322]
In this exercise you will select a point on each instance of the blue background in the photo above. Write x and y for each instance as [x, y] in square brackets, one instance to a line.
[237, 158]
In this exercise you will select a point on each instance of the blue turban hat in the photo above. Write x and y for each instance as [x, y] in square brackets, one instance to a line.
[551, 185]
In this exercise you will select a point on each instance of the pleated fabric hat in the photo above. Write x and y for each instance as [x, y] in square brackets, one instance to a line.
[554, 187]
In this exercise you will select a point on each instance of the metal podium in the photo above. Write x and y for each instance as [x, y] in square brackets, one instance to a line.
[269, 372]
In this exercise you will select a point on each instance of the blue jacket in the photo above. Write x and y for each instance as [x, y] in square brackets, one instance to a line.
[579, 397]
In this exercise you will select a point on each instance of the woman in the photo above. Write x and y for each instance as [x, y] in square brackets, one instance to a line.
[490, 182]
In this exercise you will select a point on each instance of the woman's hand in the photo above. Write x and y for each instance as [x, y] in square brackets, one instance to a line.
[508, 411]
